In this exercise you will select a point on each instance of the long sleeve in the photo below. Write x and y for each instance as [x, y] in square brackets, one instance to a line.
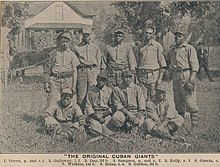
[193, 60]
[161, 59]
[104, 60]
[89, 108]
[152, 111]
[79, 115]
[117, 100]
[131, 60]
[140, 99]
[50, 111]
[47, 69]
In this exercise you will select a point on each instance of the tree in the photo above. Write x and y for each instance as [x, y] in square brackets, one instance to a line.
[13, 16]
[204, 16]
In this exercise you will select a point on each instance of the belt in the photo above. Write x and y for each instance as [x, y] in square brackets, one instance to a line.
[62, 76]
[131, 108]
[182, 70]
[100, 109]
[148, 70]
[82, 66]
[118, 69]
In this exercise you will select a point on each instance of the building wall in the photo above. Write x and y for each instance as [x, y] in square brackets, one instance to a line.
[48, 16]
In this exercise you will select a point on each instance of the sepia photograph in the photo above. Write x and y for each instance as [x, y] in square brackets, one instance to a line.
[110, 77]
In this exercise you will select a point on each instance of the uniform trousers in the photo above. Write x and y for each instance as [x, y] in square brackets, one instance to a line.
[86, 79]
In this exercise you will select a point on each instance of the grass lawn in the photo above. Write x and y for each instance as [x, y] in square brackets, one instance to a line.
[22, 129]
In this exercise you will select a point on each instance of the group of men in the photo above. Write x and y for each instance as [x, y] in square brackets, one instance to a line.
[120, 90]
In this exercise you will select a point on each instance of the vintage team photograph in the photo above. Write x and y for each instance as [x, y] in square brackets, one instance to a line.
[110, 77]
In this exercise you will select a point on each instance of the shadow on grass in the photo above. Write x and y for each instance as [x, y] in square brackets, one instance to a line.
[38, 121]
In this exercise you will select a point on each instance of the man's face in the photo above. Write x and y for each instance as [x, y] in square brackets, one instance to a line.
[66, 99]
[160, 95]
[86, 38]
[64, 43]
[100, 82]
[127, 80]
[118, 37]
[148, 33]
[179, 38]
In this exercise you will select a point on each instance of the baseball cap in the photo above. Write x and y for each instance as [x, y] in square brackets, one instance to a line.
[119, 31]
[150, 26]
[87, 30]
[162, 87]
[102, 75]
[65, 35]
[67, 91]
[127, 73]
[181, 30]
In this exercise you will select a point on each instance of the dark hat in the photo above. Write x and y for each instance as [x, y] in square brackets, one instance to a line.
[102, 75]
[87, 30]
[162, 87]
[67, 91]
[127, 73]
[65, 35]
[119, 31]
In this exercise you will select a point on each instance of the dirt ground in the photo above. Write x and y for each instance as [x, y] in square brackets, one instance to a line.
[22, 129]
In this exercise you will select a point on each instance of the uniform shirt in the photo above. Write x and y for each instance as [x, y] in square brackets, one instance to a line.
[119, 56]
[98, 98]
[71, 113]
[58, 62]
[65, 61]
[131, 96]
[184, 57]
[89, 54]
[151, 56]
[160, 111]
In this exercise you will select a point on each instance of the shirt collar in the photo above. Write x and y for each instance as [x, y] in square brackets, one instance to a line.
[151, 42]
[69, 106]
[182, 45]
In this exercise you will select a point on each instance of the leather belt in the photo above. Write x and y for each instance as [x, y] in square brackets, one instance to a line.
[182, 70]
[82, 66]
[118, 69]
[148, 70]
[62, 76]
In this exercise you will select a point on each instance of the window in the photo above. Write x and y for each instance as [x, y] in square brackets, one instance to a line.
[59, 12]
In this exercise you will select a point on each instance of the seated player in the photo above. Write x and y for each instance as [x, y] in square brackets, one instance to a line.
[162, 119]
[65, 118]
[98, 105]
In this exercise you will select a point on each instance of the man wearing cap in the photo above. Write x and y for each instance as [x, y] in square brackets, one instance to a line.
[118, 57]
[99, 105]
[60, 69]
[203, 56]
[129, 102]
[64, 117]
[162, 119]
[151, 63]
[184, 65]
[90, 58]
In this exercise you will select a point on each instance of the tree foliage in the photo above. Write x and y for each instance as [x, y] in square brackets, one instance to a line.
[204, 16]
[13, 16]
